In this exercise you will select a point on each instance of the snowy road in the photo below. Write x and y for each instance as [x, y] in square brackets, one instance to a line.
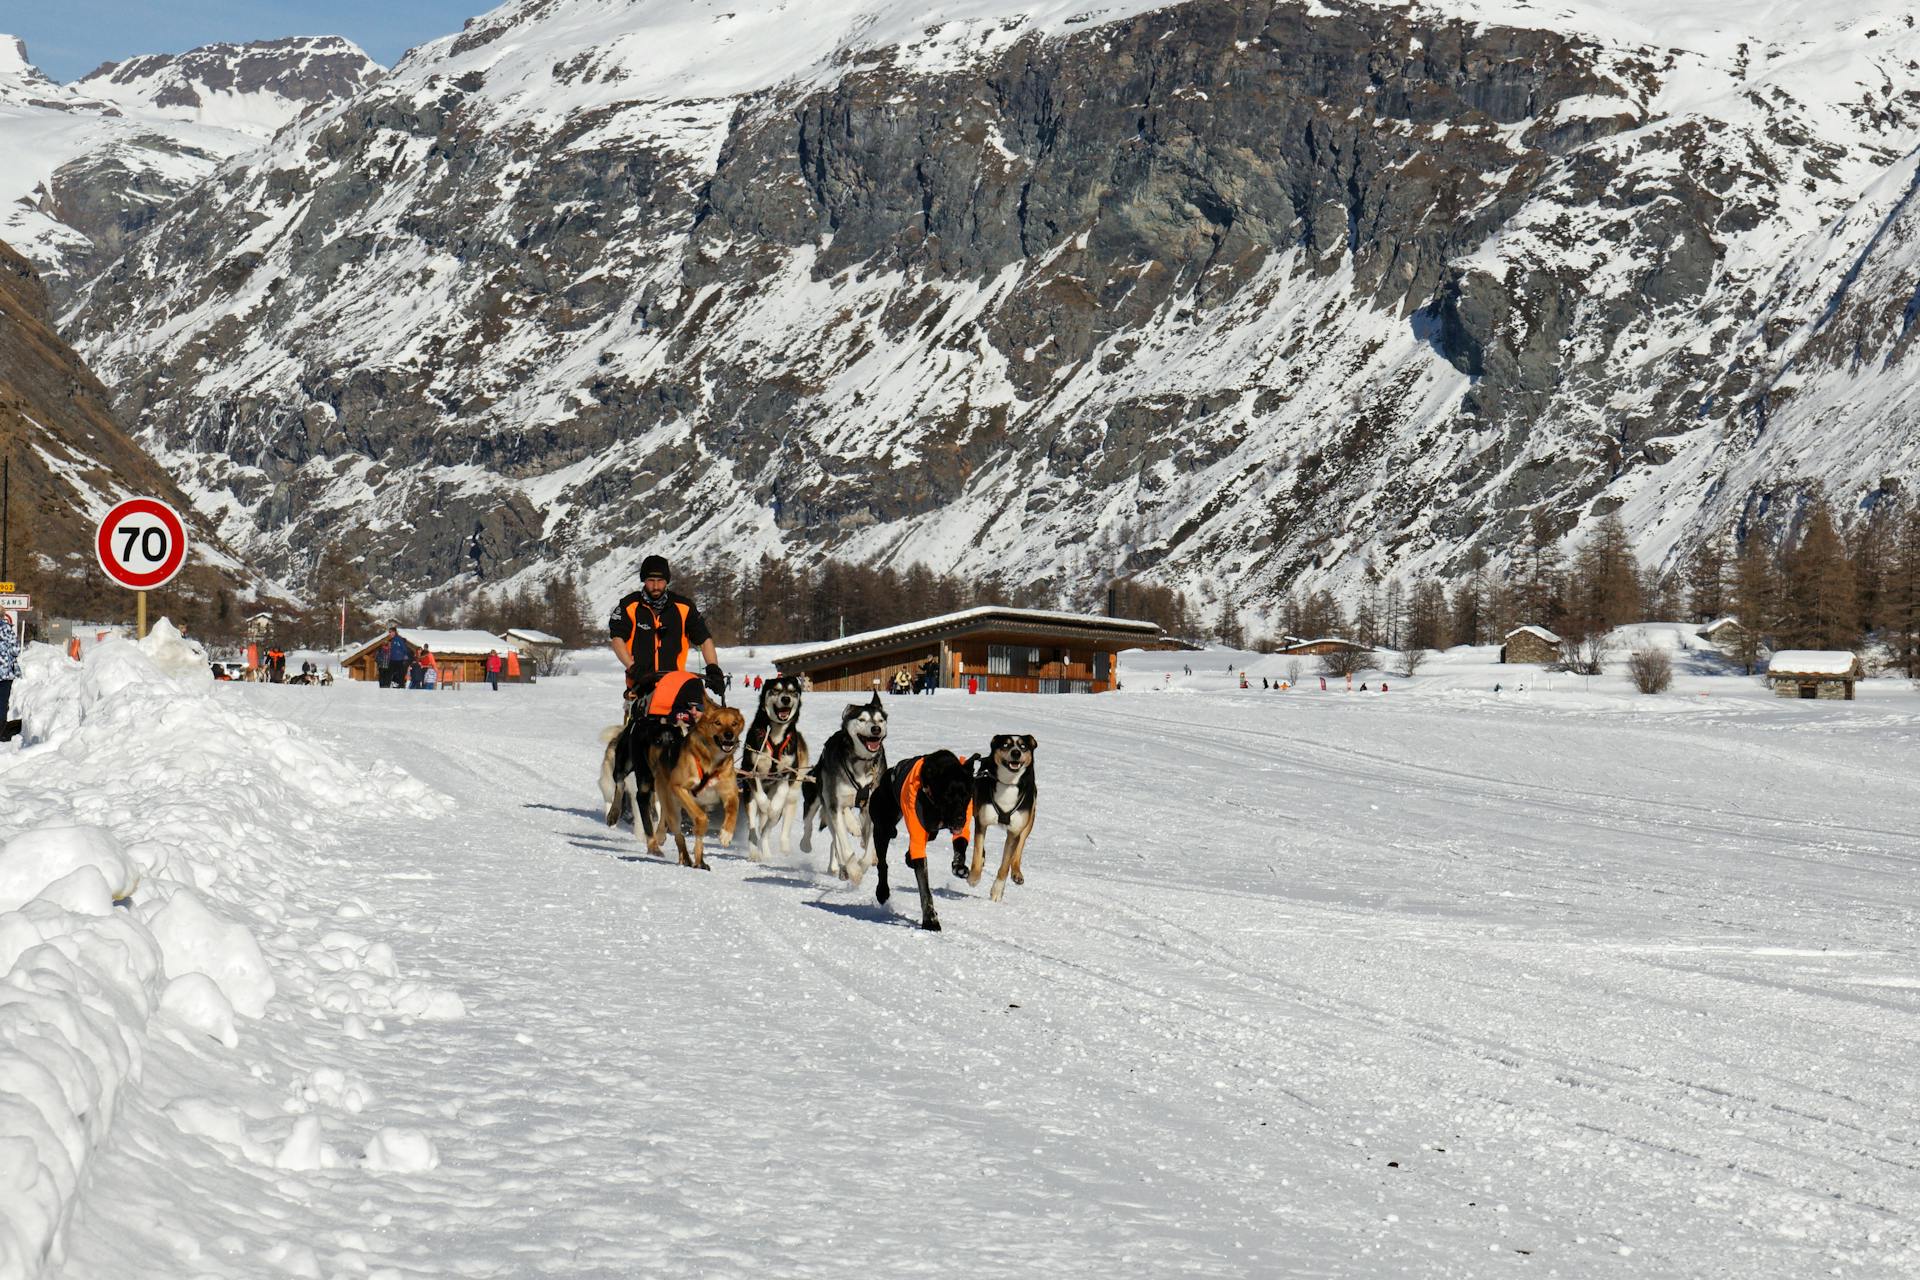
[1302, 984]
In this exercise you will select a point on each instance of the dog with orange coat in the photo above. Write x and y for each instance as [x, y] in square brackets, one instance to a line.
[926, 794]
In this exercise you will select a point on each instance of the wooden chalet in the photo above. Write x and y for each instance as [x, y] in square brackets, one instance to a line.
[1005, 650]
[460, 655]
[1530, 644]
[1814, 673]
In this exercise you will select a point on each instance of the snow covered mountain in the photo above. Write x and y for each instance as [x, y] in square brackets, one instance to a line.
[1233, 294]
[92, 163]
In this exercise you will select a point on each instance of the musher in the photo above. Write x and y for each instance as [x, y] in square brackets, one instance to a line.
[651, 632]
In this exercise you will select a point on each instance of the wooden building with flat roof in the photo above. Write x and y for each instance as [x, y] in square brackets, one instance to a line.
[460, 656]
[1005, 650]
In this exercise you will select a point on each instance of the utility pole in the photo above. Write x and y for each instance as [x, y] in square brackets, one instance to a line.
[6, 513]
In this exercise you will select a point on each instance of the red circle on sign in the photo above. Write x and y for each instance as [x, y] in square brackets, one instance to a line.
[111, 525]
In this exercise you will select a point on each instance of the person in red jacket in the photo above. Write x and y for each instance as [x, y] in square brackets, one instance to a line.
[493, 669]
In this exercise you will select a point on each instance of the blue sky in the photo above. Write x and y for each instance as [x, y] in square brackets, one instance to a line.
[68, 38]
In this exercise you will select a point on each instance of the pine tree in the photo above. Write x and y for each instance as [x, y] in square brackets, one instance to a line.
[1755, 598]
[1706, 574]
[1426, 623]
[1900, 601]
[1539, 587]
[1822, 604]
[1870, 547]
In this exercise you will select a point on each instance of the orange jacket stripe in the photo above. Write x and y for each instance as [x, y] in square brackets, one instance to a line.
[680, 657]
[917, 835]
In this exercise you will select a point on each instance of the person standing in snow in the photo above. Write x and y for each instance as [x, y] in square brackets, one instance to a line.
[9, 671]
[493, 669]
[392, 657]
[652, 630]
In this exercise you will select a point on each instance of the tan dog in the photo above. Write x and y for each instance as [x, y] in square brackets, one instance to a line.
[687, 773]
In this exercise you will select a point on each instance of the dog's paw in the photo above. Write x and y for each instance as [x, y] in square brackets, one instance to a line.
[959, 864]
[999, 890]
[931, 924]
[1018, 878]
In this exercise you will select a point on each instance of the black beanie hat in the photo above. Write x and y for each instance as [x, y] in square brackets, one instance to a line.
[655, 567]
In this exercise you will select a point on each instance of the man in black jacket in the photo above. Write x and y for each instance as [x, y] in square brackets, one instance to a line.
[653, 629]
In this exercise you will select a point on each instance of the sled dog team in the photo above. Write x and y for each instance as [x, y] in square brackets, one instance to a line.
[682, 763]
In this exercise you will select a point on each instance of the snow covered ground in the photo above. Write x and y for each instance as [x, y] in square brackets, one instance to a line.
[1436, 983]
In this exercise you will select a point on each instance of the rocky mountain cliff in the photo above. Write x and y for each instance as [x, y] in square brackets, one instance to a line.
[1234, 294]
[92, 164]
[71, 461]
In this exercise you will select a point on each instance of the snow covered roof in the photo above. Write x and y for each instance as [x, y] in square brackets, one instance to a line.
[1293, 644]
[1813, 662]
[459, 642]
[971, 620]
[1718, 623]
[530, 636]
[1532, 630]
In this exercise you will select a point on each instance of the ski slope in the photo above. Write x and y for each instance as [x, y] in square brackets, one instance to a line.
[1439, 983]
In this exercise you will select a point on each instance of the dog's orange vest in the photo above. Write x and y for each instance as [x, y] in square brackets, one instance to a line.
[660, 702]
[917, 835]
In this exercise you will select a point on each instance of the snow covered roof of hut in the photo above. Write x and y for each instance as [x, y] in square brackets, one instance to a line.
[455, 642]
[530, 636]
[1532, 630]
[1718, 623]
[1813, 662]
[985, 617]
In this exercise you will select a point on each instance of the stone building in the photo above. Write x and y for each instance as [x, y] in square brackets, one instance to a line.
[1814, 673]
[1722, 631]
[1530, 644]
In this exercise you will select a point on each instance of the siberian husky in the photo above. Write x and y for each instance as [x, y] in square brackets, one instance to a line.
[839, 795]
[773, 765]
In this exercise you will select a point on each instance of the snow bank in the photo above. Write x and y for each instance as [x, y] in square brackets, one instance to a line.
[147, 834]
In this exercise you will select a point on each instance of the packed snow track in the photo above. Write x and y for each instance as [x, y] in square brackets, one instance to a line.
[1434, 984]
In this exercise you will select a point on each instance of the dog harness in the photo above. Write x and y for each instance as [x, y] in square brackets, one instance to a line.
[775, 751]
[917, 835]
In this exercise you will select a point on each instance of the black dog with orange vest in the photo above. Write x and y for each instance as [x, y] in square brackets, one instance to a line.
[928, 793]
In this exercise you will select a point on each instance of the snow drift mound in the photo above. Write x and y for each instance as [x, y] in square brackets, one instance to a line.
[147, 836]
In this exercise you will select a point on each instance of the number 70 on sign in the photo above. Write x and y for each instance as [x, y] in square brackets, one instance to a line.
[141, 543]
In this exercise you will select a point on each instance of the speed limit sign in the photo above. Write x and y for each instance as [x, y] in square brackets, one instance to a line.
[141, 543]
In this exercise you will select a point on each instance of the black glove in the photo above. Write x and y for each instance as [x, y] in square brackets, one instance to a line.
[716, 679]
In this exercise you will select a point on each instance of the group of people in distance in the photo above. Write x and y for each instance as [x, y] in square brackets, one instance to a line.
[402, 665]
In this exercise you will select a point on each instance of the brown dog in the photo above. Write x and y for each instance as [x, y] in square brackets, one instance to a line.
[688, 772]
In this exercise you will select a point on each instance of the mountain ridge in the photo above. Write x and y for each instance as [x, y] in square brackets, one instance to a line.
[1236, 296]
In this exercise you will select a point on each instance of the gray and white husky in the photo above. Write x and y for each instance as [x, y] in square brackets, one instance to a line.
[839, 794]
[773, 763]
